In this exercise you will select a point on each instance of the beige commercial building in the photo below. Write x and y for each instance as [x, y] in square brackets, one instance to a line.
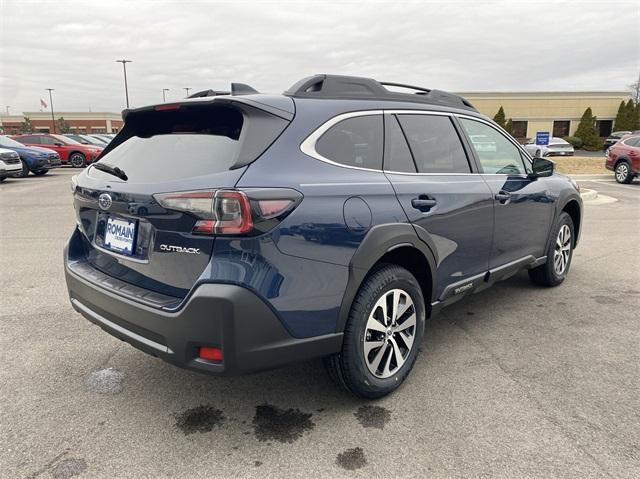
[556, 112]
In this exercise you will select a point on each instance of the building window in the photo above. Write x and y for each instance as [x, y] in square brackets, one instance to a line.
[519, 129]
[561, 128]
[604, 127]
[98, 130]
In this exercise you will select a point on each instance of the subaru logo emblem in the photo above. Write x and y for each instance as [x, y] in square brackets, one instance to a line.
[105, 201]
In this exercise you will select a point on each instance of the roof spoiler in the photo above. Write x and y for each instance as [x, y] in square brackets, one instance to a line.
[236, 89]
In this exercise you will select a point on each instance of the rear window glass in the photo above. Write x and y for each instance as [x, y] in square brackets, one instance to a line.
[168, 145]
[354, 142]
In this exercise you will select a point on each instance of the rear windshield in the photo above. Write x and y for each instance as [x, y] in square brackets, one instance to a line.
[159, 146]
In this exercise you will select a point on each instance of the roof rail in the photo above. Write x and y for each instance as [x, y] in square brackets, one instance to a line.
[348, 87]
[236, 89]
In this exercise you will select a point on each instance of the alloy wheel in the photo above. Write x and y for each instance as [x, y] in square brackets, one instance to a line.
[562, 251]
[389, 333]
[77, 160]
[621, 172]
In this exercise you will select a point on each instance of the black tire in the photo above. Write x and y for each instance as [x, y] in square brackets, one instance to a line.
[547, 274]
[77, 160]
[40, 172]
[24, 172]
[349, 368]
[623, 172]
[2, 178]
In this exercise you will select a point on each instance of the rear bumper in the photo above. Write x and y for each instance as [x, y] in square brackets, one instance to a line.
[226, 316]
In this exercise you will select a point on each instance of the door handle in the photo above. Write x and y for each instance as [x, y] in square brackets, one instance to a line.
[423, 203]
[503, 197]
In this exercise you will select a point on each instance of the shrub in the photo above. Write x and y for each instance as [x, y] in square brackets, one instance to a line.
[588, 133]
[574, 140]
[500, 117]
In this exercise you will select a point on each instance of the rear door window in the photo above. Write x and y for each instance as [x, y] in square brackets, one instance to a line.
[354, 142]
[435, 144]
[29, 139]
[397, 156]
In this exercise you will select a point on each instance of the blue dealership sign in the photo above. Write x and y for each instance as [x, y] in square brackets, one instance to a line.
[542, 138]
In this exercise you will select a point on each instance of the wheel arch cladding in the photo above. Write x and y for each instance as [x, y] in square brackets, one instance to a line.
[572, 208]
[394, 244]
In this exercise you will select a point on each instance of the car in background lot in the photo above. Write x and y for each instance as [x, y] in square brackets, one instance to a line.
[104, 139]
[71, 152]
[85, 139]
[9, 163]
[32, 158]
[623, 158]
[613, 138]
[556, 147]
[329, 221]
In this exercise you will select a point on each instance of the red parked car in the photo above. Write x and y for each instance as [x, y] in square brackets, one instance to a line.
[71, 152]
[624, 159]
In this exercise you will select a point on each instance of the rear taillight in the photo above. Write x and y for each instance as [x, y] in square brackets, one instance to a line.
[231, 212]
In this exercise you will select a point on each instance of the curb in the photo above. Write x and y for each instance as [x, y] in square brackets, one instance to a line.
[587, 194]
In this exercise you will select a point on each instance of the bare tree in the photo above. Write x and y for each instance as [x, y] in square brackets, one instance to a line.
[635, 91]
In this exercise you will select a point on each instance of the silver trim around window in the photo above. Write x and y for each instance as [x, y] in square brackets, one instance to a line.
[308, 146]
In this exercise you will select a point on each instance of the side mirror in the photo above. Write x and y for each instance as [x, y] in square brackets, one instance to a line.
[542, 167]
[58, 144]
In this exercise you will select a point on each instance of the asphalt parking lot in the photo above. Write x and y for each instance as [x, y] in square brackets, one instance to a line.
[516, 381]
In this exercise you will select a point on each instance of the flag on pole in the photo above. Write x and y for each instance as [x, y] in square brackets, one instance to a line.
[43, 103]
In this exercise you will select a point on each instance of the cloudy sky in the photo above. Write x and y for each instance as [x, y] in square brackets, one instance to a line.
[454, 45]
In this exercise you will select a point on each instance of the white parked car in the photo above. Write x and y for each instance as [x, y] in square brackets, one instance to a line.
[556, 147]
[10, 163]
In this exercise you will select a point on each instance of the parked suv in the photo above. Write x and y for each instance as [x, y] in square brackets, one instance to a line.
[623, 158]
[70, 151]
[32, 158]
[231, 233]
[9, 163]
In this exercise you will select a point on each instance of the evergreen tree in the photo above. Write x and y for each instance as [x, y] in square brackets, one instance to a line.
[500, 117]
[62, 125]
[509, 126]
[621, 122]
[635, 119]
[26, 126]
[631, 115]
[587, 131]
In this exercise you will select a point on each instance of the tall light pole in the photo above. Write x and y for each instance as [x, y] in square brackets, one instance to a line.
[164, 90]
[187, 90]
[53, 118]
[126, 88]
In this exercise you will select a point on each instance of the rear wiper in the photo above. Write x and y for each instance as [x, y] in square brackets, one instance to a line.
[112, 170]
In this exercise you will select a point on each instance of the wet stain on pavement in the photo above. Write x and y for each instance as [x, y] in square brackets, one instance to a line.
[373, 416]
[199, 419]
[105, 381]
[271, 422]
[605, 299]
[68, 468]
[257, 463]
[470, 313]
[351, 459]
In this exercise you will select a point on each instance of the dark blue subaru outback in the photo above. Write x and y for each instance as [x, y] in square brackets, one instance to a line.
[233, 231]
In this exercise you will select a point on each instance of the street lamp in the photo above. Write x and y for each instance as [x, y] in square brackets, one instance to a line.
[164, 90]
[53, 119]
[187, 90]
[126, 88]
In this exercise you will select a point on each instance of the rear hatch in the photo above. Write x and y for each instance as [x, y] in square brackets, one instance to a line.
[193, 146]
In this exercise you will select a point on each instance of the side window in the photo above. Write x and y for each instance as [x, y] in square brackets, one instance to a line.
[47, 140]
[355, 141]
[397, 156]
[435, 144]
[29, 139]
[495, 152]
